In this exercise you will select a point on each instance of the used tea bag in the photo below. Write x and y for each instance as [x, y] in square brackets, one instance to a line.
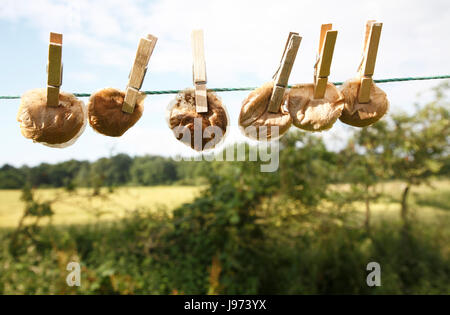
[362, 115]
[314, 114]
[54, 126]
[256, 122]
[105, 112]
[200, 131]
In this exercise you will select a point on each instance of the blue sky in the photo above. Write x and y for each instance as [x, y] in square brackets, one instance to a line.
[243, 42]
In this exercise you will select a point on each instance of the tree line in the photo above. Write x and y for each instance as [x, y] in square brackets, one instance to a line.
[118, 170]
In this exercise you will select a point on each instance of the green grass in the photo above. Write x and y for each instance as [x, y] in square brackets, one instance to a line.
[153, 253]
[427, 203]
[82, 207]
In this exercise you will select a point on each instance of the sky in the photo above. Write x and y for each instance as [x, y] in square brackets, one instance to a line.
[244, 41]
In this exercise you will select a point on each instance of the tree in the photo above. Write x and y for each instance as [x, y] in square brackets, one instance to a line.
[11, 177]
[119, 172]
[306, 167]
[362, 171]
[412, 147]
[153, 170]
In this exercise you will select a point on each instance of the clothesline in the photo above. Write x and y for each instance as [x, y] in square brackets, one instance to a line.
[160, 92]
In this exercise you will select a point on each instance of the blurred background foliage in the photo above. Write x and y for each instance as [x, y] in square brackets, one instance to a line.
[299, 230]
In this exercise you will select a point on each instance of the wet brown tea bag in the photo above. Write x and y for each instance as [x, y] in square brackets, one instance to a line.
[54, 126]
[256, 122]
[314, 114]
[362, 114]
[112, 112]
[200, 131]
[106, 115]
[317, 106]
[263, 116]
[364, 102]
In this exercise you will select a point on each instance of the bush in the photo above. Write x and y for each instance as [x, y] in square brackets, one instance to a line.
[214, 246]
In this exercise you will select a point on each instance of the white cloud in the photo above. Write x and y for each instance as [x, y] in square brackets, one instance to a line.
[82, 76]
[244, 41]
[246, 37]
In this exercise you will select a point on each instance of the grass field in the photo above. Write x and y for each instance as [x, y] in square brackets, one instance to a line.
[152, 254]
[83, 207]
[427, 203]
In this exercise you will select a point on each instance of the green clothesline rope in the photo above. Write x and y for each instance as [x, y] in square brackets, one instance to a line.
[252, 88]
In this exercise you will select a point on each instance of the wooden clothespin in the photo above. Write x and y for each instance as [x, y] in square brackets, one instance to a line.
[138, 71]
[366, 70]
[54, 69]
[199, 71]
[281, 77]
[323, 65]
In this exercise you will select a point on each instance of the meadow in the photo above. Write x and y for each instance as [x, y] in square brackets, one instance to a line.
[431, 202]
[83, 206]
[186, 239]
